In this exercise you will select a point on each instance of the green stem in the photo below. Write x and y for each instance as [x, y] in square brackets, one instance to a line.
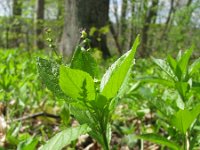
[142, 144]
[103, 127]
[106, 145]
[187, 142]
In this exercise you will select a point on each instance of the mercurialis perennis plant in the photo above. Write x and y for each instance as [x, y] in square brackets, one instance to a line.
[90, 102]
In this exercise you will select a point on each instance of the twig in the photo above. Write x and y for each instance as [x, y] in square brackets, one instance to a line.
[35, 115]
[115, 37]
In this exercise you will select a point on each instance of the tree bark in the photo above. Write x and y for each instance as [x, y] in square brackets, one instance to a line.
[116, 15]
[16, 27]
[81, 14]
[123, 29]
[170, 12]
[169, 19]
[150, 17]
[39, 20]
[132, 34]
[60, 19]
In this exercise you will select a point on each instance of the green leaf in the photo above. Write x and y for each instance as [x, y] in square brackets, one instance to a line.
[82, 60]
[159, 140]
[165, 67]
[183, 88]
[183, 119]
[196, 86]
[49, 72]
[65, 137]
[194, 67]
[116, 74]
[125, 85]
[104, 29]
[29, 144]
[179, 55]
[196, 111]
[156, 80]
[100, 102]
[84, 116]
[180, 102]
[179, 73]
[65, 114]
[76, 84]
[183, 63]
[172, 62]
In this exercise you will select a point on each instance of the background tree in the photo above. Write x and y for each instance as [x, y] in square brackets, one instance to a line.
[124, 24]
[173, 23]
[16, 25]
[150, 17]
[39, 21]
[81, 14]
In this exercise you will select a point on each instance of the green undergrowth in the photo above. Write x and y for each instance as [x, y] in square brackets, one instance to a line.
[134, 102]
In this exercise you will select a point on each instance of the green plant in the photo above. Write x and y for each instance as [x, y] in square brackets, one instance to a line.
[178, 77]
[21, 95]
[91, 101]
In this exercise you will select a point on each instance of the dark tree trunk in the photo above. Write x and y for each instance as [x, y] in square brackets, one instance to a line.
[150, 17]
[81, 14]
[39, 21]
[123, 33]
[170, 12]
[115, 27]
[169, 19]
[173, 8]
[132, 34]
[6, 38]
[16, 27]
[60, 18]
[116, 15]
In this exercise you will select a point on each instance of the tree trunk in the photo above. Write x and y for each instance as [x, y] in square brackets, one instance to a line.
[123, 33]
[150, 17]
[115, 37]
[60, 19]
[81, 14]
[116, 15]
[16, 27]
[170, 12]
[132, 34]
[115, 27]
[169, 19]
[39, 20]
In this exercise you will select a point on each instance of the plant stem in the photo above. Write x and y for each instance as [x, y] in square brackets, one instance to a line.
[103, 125]
[187, 142]
[103, 132]
[142, 144]
[106, 145]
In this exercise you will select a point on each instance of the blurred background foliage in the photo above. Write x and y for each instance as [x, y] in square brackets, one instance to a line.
[32, 28]
[165, 26]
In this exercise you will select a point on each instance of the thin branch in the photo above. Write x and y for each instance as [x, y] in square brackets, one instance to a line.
[116, 15]
[39, 114]
[170, 12]
[115, 37]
